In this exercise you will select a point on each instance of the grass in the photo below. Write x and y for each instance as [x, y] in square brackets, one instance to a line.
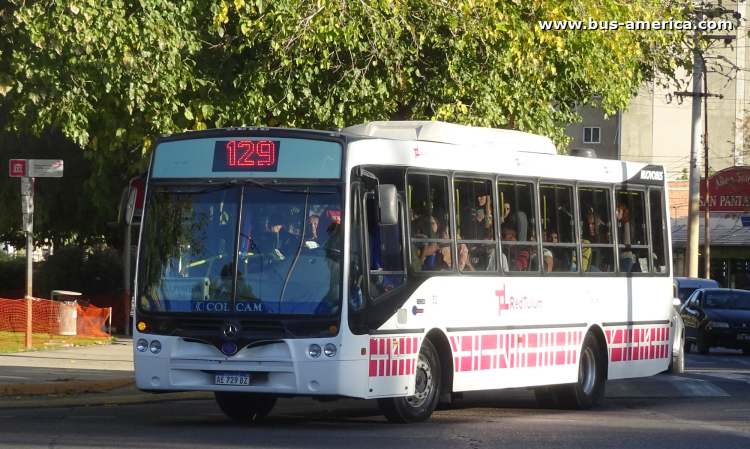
[16, 341]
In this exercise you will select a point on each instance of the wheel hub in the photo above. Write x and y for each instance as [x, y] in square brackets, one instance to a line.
[424, 382]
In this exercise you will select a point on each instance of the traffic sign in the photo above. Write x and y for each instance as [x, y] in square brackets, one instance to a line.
[18, 167]
[45, 168]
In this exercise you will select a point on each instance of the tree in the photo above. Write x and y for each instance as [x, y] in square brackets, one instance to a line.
[112, 75]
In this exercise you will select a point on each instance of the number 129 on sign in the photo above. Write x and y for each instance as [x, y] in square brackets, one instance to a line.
[246, 155]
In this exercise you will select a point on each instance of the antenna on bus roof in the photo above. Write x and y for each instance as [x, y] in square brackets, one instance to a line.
[450, 133]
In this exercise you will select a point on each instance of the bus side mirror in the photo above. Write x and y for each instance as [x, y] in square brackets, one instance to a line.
[127, 206]
[388, 204]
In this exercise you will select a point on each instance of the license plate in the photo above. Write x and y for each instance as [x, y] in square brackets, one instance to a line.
[743, 337]
[232, 379]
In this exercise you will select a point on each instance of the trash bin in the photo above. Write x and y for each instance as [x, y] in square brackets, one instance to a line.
[67, 316]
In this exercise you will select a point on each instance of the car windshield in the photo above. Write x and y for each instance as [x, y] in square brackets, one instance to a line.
[727, 300]
[287, 242]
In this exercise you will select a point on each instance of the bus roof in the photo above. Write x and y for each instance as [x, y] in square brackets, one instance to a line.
[442, 132]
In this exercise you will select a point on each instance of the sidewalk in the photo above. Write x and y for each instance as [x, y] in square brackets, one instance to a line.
[77, 376]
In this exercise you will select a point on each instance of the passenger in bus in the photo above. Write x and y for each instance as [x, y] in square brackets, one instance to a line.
[562, 257]
[283, 244]
[518, 257]
[592, 257]
[484, 215]
[463, 252]
[547, 258]
[442, 250]
[311, 233]
[625, 233]
[515, 220]
[418, 231]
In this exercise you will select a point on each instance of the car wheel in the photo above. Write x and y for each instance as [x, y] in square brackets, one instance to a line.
[678, 361]
[245, 406]
[703, 344]
[688, 346]
[589, 389]
[419, 407]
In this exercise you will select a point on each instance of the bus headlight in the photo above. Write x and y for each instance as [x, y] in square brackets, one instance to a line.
[142, 345]
[330, 350]
[314, 351]
[155, 347]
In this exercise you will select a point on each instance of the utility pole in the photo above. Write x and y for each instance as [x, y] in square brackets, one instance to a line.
[693, 228]
[739, 134]
[706, 227]
[695, 176]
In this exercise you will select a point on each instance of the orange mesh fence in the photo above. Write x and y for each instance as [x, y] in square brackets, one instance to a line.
[52, 323]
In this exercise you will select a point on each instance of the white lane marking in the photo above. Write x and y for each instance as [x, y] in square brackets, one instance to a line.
[697, 387]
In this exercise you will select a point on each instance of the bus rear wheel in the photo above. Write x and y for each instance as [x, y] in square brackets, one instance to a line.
[245, 406]
[417, 408]
[589, 389]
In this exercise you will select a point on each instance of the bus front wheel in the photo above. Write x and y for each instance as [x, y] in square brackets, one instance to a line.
[245, 406]
[417, 408]
[589, 389]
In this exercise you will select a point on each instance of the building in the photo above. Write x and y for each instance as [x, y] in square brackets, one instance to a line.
[657, 129]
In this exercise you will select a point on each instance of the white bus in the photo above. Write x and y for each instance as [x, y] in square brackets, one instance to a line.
[406, 262]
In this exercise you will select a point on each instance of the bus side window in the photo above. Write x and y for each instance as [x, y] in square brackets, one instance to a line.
[597, 251]
[632, 238]
[475, 230]
[385, 251]
[520, 244]
[356, 300]
[558, 227]
[430, 240]
[658, 230]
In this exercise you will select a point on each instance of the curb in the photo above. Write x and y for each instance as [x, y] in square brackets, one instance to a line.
[142, 398]
[83, 386]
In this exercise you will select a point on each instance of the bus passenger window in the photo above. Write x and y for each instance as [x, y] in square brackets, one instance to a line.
[558, 227]
[597, 251]
[632, 241]
[430, 239]
[658, 230]
[475, 226]
[386, 257]
[520, 246]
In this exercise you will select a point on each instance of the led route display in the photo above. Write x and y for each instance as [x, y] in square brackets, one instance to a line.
[246, 155]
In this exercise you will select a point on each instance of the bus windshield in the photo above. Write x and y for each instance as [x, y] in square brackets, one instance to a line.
[283, 241]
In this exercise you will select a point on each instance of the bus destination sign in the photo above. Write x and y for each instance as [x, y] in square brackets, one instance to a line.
[246, 156]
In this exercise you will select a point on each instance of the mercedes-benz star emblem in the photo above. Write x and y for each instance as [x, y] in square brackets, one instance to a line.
[230, 330]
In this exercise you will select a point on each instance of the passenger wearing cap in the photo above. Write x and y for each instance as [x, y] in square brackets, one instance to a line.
[285, 243]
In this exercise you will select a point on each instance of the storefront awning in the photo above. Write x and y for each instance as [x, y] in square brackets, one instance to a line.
[726, 230]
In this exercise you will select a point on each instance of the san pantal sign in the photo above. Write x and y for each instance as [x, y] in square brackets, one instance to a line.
[729, 190]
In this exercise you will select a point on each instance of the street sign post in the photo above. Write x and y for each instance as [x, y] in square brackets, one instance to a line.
[27, 169]
[27, 204]
[27, 186]
[45, 168]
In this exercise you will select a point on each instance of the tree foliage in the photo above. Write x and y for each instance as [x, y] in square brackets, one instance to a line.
[113, 75]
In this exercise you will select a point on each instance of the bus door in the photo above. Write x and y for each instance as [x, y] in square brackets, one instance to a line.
[392, 356]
